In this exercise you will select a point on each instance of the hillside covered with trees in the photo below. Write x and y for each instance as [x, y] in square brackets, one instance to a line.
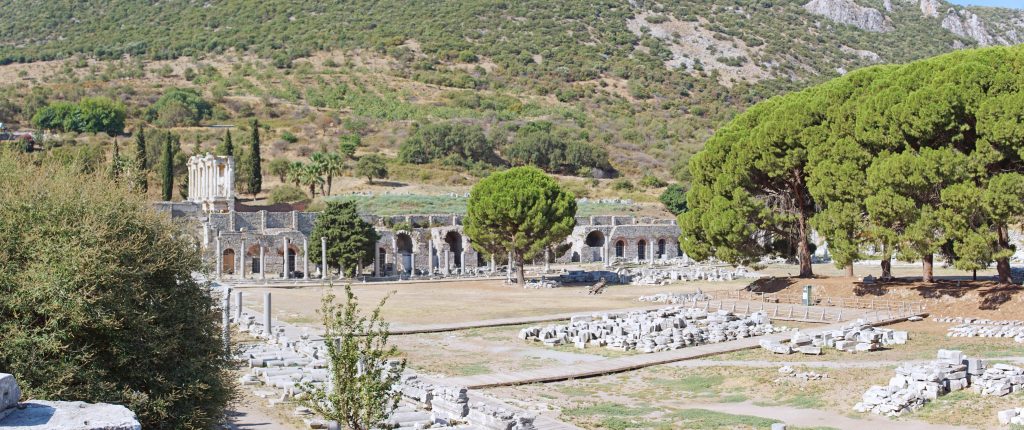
[586, 89]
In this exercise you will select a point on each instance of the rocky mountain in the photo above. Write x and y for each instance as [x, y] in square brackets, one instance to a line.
[1005, 27]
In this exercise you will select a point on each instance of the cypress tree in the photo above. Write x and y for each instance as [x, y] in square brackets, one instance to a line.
[167, 166]
[229, 147]
[115, 162]
[255, 171]
[140, 160]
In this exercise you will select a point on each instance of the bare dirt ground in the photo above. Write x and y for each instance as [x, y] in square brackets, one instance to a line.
[954, 293]
[414, 303]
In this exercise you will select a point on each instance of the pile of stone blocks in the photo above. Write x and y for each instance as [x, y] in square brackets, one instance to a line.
[541, 284]
[916, 384]
[652, 331]
[790, 372]
[975, 327]
[999, 380]
[452, 407]
[857, 336]
[675, 298]
[47, 415]
[666, 275]
[1011, 416]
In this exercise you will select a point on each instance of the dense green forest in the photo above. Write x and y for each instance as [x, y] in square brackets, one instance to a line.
[646, 81]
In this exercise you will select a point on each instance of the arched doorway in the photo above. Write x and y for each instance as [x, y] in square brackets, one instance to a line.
[595, 240]
[620, 249]
[454, 241]
[403, 251]
[227, 262]
[641, 250]
[382, 262]
[575, 257]
[661, 249]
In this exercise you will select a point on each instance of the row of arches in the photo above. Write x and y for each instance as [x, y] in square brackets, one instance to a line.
[596, 239]
[229, 259]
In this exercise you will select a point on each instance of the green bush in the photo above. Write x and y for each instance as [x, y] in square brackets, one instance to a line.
[651, 181]
[287, 194]
[622, 184]
[180, 107]
[90, 115]
[435, 141]
[674, 199]
[287, 136]
[98, 302]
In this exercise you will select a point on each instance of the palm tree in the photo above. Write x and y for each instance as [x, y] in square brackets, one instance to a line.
[294, 174]
[310, 176]
[329, 164]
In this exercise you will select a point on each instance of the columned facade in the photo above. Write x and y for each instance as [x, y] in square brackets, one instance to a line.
[211, 182]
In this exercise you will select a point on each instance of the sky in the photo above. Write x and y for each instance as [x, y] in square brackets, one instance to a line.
[1019, 4]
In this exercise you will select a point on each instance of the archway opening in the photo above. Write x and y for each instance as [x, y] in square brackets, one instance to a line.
[382, 262]
[575, 257]
[595, 239]
[620, 249]
[454, 241]
[641, 250]
[291, 260]
[403, 249]
[227, 264]
[661, 249]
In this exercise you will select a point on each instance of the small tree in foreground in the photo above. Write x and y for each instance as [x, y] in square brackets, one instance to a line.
[360, 395]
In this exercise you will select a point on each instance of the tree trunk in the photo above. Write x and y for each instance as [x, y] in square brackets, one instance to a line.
[849, 270]
[1003, 264]
[803, 249]
[520, 271]
[887, 268]
[926, 268]
[974, 275]
[329, 179]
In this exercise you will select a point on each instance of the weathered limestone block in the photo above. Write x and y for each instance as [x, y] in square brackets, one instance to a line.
[44, 415]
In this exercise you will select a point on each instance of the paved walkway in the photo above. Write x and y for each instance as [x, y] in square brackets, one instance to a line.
[866, 364]
[623, 364]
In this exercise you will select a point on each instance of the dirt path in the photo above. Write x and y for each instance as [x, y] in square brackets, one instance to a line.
[816, 418]
[820, 364]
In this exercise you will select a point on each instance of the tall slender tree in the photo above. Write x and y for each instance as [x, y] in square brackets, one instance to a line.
[255, 184]
[141, 180]
[229, 147]
[167, 168]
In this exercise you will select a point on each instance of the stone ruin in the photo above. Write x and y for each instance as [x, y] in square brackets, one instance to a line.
[999, 380]
[541, 283]
[916, 384]
[1011, 416]
[975, 327]
[281, 367]
[652, 331]
[666, 275]
[47, 415]
[675, 298]
[790, 372]
[857, 336]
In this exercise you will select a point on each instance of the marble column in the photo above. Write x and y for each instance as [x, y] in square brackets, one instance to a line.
[547, 259]
[284, 257]
[447, 260]
[509, 270]
[226, 320]
[266, 314]
[462, 262]
[650, 253]
[323, 257]
[412, 262]
[238, 306]
[430, 257]
[305, 259]
[494, 266]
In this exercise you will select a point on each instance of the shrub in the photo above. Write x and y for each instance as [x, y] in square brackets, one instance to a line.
[651, 181]
[180, 107]
[622, 184]
[435, 141]
[120, 319]
[674, 199]
[287, 194]
[555, 150]
[90, 115]
[287, 136]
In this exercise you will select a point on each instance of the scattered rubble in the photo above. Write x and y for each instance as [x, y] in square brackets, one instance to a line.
[916, 384]
[789, 372]
[542, 283]
[652, 331]
[281, 368]
[675, 298]
[1011, 416]
[854, 337]
[975, 327]
[666, 275]
[999, 380]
